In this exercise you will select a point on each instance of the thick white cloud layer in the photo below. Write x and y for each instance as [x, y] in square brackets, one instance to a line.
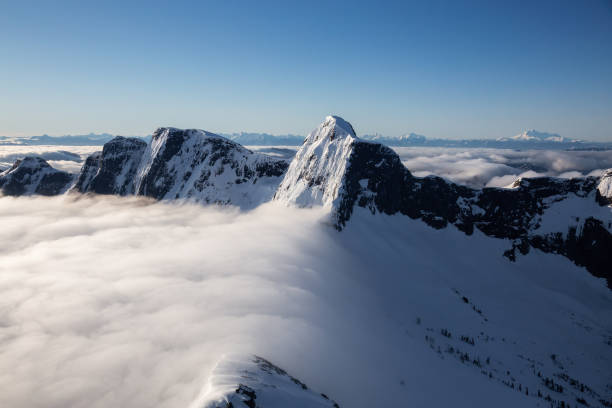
[115, 302]
[124, 302]
[67, 158]
[500, 167]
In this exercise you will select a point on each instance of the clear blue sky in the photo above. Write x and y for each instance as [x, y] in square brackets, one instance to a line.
[444, 69]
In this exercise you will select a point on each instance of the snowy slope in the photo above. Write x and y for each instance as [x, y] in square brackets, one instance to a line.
[247, 380]
[316, 174]
[604, 188]
[538, 327]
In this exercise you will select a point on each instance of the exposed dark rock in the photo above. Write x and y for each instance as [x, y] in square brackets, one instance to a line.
[182, 164]
[502, 213]
[113, 171]
[33, 175]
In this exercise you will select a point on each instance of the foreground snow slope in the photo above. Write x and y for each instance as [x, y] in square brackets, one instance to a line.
[138, 302]
[249, 380]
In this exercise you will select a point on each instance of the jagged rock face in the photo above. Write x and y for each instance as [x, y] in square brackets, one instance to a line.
[113, 171]
[33, 175]
[604, 189]
[204, 167]
[88, 173]
[334, 168]
[182, 164]
[251, 381]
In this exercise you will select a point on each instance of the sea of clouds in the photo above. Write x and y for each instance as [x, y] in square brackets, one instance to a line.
[500, 167]
[124, 302]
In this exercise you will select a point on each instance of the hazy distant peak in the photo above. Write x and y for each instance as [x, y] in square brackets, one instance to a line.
[533, 135]
[412, 137]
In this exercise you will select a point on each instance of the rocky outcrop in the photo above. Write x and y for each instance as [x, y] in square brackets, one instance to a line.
[335, 168]
[33, 175]
[112, 171]
[251, 381]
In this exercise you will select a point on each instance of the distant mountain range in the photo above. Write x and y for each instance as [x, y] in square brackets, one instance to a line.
[533, 135]
[529, 139]
[264, 139]
[91, 139]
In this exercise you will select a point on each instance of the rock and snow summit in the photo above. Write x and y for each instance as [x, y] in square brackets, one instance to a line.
[242, 380]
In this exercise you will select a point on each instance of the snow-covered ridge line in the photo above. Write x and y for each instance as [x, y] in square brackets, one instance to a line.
[190, 164]
[248, 380]
[336, 169]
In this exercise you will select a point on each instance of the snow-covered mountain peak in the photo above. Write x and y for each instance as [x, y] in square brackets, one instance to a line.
[605, 186]
[537, 136]
[170, 140]
[165, 132]
[316, 174]
[333, 127]
[246, 380]
[30, 163]
[33, 175]
[341, 174]
[201, 166]
[412, 137]
[191, 164]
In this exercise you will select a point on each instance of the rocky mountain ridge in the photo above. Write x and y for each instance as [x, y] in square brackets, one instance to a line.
[190, 164]
[570, 217]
